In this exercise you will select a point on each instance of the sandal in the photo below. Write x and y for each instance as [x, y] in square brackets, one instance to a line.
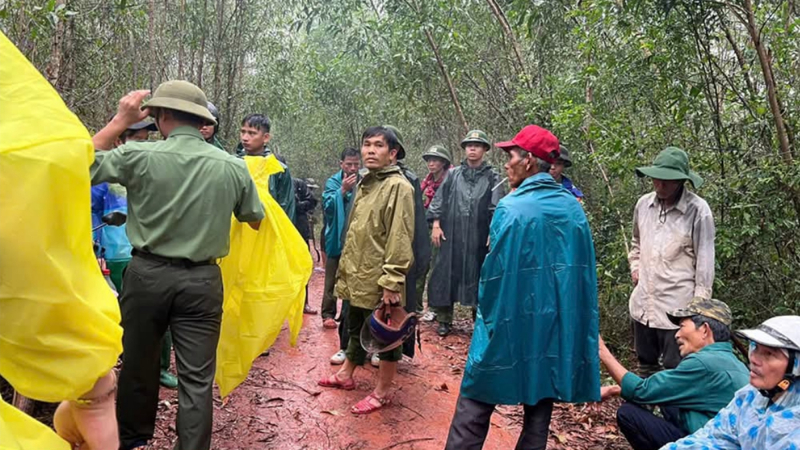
[365, 406]
[334, 382]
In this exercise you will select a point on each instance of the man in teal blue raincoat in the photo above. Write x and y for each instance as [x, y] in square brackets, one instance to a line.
[536, 334]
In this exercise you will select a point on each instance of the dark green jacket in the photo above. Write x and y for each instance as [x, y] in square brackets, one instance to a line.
[701, 385]
[280, 186]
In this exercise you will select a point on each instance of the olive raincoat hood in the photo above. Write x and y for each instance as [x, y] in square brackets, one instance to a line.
[536, 333]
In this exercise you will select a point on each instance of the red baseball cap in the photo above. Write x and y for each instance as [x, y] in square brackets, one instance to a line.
[536, 141]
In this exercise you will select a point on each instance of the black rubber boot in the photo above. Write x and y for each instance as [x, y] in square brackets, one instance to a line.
[444, 329]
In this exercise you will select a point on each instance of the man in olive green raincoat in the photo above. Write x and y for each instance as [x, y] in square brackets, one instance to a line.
[376, 258]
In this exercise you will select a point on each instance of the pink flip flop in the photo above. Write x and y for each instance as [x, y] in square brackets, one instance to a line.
[366, 407]
[334, 382]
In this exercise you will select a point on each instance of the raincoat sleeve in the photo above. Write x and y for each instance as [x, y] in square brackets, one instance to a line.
[249, 207]
[719, 433]
[676, 387]
[633, 256]
[703, 242]
[399, 219]
[333, 214]
[436, 208]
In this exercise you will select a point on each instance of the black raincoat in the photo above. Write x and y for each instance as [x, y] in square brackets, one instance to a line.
[464, 205]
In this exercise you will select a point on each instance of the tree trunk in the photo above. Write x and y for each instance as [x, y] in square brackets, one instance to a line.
[202, 56]
[450, 87]
[53, 70]
[151, 27]
[769, 80]
[181, 36]
[501, 17]
[218, 44]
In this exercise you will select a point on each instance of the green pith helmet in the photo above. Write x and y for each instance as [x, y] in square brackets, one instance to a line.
[181, 96]
[671, 164]
[438, 151]
[476, 136]
[402, 152]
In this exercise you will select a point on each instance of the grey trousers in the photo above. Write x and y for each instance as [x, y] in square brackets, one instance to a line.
[188, 300]
[472, 419]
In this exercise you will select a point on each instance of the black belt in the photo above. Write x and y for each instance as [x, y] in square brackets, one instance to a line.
[172, 261]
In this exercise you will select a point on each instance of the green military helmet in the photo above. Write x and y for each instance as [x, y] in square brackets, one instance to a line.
[181, 96]
[438, 151]
[402, 152]
[698, 306]
[476, 136]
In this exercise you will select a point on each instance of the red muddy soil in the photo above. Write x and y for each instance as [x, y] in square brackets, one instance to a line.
[280, 406]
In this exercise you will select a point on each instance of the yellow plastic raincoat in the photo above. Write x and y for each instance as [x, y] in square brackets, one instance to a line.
[264, 278]
[59, 321]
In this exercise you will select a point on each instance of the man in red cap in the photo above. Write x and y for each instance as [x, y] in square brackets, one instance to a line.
[536, 333]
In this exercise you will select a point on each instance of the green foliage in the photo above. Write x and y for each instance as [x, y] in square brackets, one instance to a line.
[616, 80]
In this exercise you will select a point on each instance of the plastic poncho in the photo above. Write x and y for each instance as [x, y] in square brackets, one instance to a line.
[108, 198]
[264, 278]
[59, 321]
[335, 209]
[536, 332]
[750, 422]
[464, 205]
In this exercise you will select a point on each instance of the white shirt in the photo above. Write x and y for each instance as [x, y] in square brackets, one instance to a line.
[674, 254]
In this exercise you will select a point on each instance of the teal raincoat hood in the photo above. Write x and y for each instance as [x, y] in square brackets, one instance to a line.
[536, 333]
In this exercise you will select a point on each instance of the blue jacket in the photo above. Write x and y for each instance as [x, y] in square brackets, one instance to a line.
[335, 208]
[567, 183]
[536, 333]
[107, 198]
[750, 422]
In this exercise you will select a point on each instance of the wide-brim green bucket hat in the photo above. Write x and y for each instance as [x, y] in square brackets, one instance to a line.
[401, 154]
[671, 164]
[438, 151]
[181, 96]
[476, 137]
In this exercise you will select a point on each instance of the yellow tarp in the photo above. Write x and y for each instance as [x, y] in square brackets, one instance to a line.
[264, 278]
[59, 321]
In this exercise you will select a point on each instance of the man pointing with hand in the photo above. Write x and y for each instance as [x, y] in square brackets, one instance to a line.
[181, 194]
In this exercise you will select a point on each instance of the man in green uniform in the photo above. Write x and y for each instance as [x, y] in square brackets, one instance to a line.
[376, 258]
[181, 192]
[255, 136]
[114, 241]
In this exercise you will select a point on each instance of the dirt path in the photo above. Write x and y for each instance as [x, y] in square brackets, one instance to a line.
[281, 407]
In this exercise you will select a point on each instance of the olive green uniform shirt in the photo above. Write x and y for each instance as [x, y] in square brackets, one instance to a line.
[377, 250]
[181, 193]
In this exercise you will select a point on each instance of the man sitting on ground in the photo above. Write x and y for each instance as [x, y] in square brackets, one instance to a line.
[689, 395]
[765, 414]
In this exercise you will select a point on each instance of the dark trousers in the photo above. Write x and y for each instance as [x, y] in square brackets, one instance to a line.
[652, 345]
[328, 296]
[472, 419]
[344, 334]
[645, 431]
[188, 300]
